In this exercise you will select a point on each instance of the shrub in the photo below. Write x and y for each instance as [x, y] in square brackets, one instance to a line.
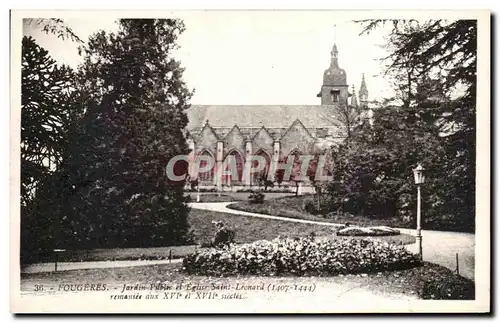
[449, 287]
[256, 198]
[223, 235]
[301, 256]
[310, 207]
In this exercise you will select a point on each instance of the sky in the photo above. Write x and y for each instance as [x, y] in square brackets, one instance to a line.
[253, 57]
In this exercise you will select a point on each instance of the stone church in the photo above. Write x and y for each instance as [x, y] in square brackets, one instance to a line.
[274, 132]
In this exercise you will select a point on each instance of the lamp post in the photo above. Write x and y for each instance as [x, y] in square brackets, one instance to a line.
[419, 179]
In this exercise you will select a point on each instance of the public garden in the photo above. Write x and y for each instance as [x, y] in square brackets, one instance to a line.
[96, 204]
[256, 237]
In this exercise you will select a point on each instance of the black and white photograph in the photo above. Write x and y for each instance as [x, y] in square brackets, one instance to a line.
[264, 161]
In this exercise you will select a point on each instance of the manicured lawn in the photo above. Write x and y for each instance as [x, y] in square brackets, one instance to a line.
[428, 281]
[250, 229]
[293, 207]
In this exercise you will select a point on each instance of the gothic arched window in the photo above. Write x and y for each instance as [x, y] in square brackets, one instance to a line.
[263, 174]
[206, 176]
[235, 157]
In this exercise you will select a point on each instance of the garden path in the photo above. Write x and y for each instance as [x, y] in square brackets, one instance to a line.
[439, 247]
[64, 266]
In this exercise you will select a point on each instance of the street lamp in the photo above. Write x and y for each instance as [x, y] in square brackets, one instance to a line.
[419, 179]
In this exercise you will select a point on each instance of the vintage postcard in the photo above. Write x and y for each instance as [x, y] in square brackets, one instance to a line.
[264, 161]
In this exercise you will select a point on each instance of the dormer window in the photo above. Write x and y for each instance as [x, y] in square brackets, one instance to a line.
[335, 96]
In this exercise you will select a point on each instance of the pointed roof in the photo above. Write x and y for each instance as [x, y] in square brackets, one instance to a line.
[208, 127]
[363, 90]
[296, 123]
[334, 60]
[334, 49]
[263, 130]
[334, 75]
[235, 128]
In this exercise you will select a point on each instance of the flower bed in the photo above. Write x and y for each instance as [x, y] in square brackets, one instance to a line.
[300, 257]
[368, 231]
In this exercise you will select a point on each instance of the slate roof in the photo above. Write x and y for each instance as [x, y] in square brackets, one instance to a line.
[255, 116]
[276, 119]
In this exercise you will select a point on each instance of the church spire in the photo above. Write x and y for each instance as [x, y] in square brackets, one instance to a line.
[335, 52]
[335, 90]
[354, 101]
[363, 91]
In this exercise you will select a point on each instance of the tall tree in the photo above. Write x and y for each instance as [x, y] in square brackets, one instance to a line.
[133, 125]
[431, 121]
[345, 118]
[48, 109]
[447, 52]
[372, 175]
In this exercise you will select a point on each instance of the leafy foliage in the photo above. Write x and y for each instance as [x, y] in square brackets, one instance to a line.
[310, 207]
[256, 198]
[303, 256]
[54, 26]
[132, 128]
[430, 121]
[111, 189]
[449, 287]
[223, 235]
[49, 110]
[47, 113]
[373, 176]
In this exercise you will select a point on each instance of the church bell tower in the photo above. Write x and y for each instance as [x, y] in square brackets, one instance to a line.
[334, 90]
